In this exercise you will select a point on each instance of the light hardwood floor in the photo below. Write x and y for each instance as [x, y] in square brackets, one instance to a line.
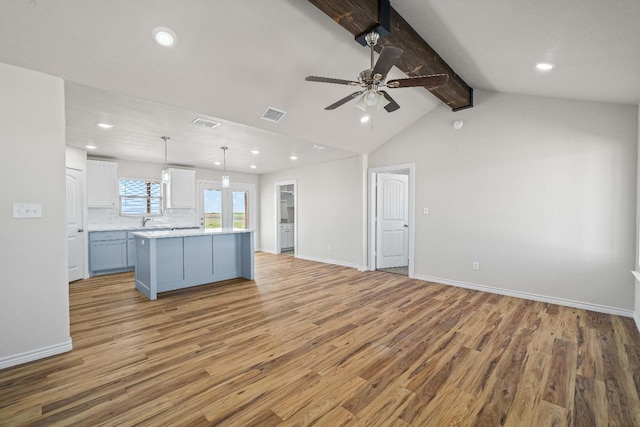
[309, 343]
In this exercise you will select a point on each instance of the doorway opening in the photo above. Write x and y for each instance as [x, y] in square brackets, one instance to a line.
[391, 219]
[75, 225]
[232, 207]
[286, 218]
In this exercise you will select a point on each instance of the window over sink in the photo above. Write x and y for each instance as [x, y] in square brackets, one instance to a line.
[139, 197]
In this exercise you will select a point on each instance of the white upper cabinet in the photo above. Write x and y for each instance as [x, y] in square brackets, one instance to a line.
[182, 189]
[102, 184]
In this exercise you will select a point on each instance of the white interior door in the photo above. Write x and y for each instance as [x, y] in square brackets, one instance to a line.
[392, 227]
[75, 221]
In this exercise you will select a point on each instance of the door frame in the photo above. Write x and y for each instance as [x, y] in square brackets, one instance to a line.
[227, 201]
[279, 184]
[405, 169]
[84, 235]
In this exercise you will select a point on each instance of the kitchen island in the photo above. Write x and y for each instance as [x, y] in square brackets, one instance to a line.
[176, 259]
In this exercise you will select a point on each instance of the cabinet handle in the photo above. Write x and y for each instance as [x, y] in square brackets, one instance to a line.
[80, 230]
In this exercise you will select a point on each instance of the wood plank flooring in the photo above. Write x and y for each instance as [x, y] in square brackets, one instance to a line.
[315, 344]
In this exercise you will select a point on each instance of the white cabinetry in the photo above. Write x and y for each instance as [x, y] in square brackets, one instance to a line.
[182, 189]
[287, 233]
[102, 184]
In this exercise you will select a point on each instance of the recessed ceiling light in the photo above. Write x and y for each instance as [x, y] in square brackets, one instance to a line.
[105, 125]
[545, 66]
[364, 119]
[294, 157]
[253, 166]
[164, 36]
[217, 163]
[255, 152]
[90, 147]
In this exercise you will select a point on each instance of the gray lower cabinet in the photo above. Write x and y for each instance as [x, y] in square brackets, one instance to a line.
[113, 251]
[131, 250]
[107, 251]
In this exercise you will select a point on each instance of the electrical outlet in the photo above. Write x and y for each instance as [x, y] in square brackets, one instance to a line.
[425, 211]
[475, 265]
[329, 247]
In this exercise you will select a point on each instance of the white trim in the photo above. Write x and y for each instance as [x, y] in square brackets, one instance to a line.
[30, 356]
[636, 317]
[533, 297]
[328, 261]
[278, 184]
[227, 201]
[268, 251]
[411, 167]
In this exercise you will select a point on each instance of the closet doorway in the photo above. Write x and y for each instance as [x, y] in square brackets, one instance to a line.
[391, 220]
[286, 218]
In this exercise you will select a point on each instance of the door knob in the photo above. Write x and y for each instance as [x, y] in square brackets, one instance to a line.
[406, 226]
[80, 230]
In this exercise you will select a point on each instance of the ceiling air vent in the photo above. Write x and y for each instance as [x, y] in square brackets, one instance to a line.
[316, 147]
[273, 115]
[205, 123]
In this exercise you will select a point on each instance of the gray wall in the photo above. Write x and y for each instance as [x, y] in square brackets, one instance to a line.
[540, 191]
[34, 297]
[329, 209]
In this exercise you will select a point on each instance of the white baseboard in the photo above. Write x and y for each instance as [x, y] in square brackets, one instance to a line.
[267, 251]
[636, 317]
[40, 353]
[534, 297]
[328, 261]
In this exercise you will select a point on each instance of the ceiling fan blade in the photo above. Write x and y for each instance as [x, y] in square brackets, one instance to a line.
[343, 100]
[388, 57]
[331, 80]
[432, 80]
[392, 105]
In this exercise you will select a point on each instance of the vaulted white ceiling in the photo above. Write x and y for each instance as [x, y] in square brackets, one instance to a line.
[234, 59]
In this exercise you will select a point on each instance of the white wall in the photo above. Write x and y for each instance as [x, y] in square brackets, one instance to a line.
[540, 191]
[636, 312]
[75, 158]
[329, 210]
[34, 297]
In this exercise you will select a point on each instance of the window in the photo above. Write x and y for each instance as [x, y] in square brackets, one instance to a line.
[226, 207]
[212, 208]
[240, 213]
[140, 197]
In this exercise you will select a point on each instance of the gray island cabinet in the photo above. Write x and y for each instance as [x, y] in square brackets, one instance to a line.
[170, 260]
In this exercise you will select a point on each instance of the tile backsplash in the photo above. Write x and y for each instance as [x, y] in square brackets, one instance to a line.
[107, 218]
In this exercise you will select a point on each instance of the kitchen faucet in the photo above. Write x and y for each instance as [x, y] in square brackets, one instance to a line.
[145, 220]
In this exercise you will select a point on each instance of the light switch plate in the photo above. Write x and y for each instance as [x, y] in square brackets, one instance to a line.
[27, 210]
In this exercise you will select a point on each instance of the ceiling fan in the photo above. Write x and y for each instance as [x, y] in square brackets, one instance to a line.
[372, 79]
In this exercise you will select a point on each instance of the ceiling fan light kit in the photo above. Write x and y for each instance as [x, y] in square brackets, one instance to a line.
[372, 79]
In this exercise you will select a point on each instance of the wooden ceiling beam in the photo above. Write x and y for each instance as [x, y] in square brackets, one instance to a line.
[360, 16]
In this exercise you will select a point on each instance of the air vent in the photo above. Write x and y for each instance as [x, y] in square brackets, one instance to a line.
[273, 115]
[205, 123]
[316, 147]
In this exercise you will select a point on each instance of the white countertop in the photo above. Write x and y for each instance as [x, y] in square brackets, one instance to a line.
[187, 233]
[137, 227]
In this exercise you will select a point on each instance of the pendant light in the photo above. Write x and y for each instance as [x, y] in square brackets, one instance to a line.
[166, 175]
[225, 178]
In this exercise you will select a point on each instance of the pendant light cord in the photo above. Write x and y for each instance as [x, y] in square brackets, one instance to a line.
[165, 138]
[224, 157]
